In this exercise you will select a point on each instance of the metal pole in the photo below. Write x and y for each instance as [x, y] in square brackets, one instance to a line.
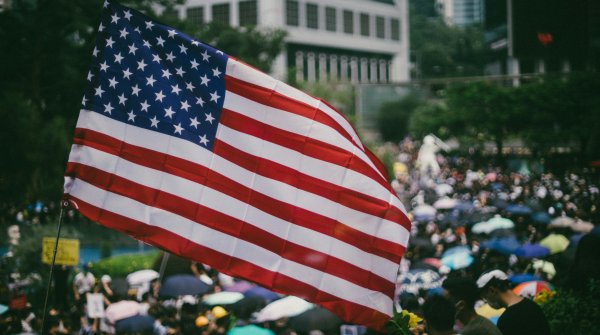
[63, 205]
[163, 265]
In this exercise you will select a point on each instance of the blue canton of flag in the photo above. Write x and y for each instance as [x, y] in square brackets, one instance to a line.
[155, 77]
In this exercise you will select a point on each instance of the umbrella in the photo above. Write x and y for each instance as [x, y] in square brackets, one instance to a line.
[137, 324]
[581, 226]
[458, 260]
[317, 318]
[445, 203]
[443, 189]
[506, 245]
[239, 286]
[244, 308]
[456, 250]
[488, 312]
[419, 279]
[502, 233]
[263, 293]
[561, 222]
[497, 222]
[541, 217]
[141, 277]
[529, 250]
[424, 213]
[524, 277]
[517, 209]
[464, 206]
[436, 262]
[250, 330]
[555, 242]
[532, 288]
[222, 298]
[546, 267]
[121, 310]
[285, 307]
[178, 285]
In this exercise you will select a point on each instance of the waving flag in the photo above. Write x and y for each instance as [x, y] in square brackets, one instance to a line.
[186, 148]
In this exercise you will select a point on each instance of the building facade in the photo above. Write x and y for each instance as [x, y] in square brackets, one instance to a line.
[329, 40]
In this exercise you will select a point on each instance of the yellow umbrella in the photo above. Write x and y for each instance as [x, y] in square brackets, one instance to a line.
[555, 242]
[488, 312]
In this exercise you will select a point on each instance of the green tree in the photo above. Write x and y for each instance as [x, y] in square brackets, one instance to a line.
[393, 117]
[443, 51]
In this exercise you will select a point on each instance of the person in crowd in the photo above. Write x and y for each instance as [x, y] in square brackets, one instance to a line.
[462, 291]
[83, 283]
[438, 314]
[522, 316]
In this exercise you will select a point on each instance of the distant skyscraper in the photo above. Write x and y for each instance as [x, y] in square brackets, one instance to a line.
[460, 12]
[346, 40]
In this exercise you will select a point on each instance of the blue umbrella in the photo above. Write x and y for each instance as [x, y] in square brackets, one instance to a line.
[522, 278]
[135, 324]
[178, 285]
[458, 260]
[263, 293]
[517, 209]
[464, 206]
[541, 217]
[456, 250]
[506, 245]
[529, 250]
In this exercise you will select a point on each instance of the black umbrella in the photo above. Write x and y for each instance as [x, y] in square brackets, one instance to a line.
[135, 324]
[178, 285]
[244, 308]
[317, 318]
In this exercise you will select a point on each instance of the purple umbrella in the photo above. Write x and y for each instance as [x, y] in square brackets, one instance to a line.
[529, 250]
[261, 292]
[239, 286]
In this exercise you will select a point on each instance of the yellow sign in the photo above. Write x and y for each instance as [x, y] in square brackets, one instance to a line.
[66, 254]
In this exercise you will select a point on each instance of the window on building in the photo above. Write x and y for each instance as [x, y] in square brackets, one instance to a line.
[365, 24]
[395, 29]
[330, 19]
[348, 22]
[380, 27]
[195, 15]
[248, 13]
[312, 16]
[292, 13]
[220, 13]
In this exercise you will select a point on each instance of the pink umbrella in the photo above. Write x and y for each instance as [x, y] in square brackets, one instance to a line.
[121, 310]
[531, 288]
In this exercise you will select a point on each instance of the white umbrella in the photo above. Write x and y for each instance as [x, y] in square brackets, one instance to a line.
[581, 226]
[424, 210]
[121, 310]
[285, 307]
[562, 222]
[223, 298]
[443, 189]
[445, 203]
[141, 277]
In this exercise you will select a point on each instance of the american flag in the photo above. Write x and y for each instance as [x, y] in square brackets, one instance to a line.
[184, 147]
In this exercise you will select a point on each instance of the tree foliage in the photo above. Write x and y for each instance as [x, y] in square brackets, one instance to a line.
[393, 118]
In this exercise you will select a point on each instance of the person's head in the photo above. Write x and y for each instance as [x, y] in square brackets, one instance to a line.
[438, 312]
[492, 286]
[463, 293]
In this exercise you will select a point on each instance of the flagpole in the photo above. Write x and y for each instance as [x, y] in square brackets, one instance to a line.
[63, 205]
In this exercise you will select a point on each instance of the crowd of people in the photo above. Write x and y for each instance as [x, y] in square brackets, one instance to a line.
[478, 232]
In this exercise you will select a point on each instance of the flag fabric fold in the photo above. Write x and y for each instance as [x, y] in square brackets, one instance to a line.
[184, 147]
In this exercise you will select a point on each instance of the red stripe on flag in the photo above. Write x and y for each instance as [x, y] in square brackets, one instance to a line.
[236, 267]
[231, 226]
[349, 198]
[277, 100]
[305, 145]
[201, 175]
